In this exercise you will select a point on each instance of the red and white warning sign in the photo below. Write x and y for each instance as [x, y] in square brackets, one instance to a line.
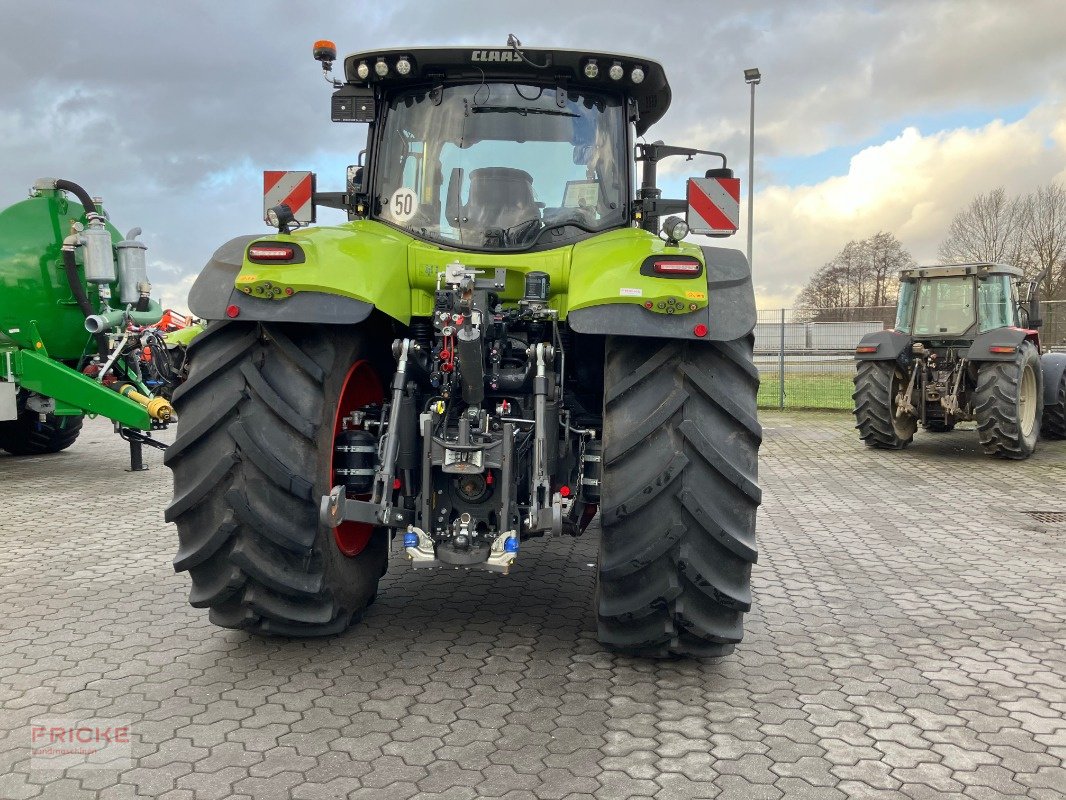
[294, 189]
[713, 206]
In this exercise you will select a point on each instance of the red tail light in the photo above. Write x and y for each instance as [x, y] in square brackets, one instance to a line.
[866, 348]
[277, 252]
[677, 267]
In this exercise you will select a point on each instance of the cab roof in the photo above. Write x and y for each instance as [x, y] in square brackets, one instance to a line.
[551, 66]
[955, 270]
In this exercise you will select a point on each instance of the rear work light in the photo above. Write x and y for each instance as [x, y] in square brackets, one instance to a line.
[677, 267]
[262, 252]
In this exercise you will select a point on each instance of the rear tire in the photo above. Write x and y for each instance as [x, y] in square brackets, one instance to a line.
[679, 495]
[1008, 403]
[876, 385]
[28, 436]
[251, 460]
[1054, 422]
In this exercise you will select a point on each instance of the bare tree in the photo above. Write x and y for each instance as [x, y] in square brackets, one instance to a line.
[887, 257]
[1044, 236]
[864, 273]
[990, 229]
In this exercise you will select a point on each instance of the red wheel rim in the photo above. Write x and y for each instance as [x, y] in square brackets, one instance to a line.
[361, 387]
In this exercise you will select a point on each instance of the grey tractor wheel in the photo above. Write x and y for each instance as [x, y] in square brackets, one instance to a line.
[679, 495]
[1054, 422]
[1008, 404]
[877, 383]
[30, 436]
[252, 457]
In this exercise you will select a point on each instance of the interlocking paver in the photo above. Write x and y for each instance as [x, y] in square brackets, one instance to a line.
[906, 641]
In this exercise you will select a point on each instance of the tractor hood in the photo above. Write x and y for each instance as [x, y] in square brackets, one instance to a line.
[641, 78]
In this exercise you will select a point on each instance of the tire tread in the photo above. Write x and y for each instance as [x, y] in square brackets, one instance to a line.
[244, 503]
[678, 511]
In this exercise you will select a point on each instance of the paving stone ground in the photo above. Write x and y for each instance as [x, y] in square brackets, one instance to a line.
[908, 640]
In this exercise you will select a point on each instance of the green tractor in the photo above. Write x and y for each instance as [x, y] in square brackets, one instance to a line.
[964, 347]
[502, 341]
[79, 332]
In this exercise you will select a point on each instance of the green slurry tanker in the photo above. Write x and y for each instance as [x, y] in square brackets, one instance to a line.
[503, 340]
[79, 332]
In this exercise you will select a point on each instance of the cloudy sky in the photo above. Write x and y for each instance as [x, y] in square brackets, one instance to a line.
[871, 115]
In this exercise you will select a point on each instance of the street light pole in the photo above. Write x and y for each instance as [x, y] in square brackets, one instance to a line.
[752, 77]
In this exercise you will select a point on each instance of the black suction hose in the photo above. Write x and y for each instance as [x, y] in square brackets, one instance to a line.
[77, 191]
[71, 268]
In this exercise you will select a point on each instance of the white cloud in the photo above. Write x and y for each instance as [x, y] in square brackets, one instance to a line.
[911, 185]
[171, 288]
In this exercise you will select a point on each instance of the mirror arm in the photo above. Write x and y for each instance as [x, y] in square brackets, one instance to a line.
[339, 200]
[658, 151]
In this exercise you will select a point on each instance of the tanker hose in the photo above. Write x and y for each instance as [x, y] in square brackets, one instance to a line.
[77, 191]
[70, 266]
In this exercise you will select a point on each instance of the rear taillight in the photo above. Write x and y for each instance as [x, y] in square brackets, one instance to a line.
[1002, 348]
[866, 348]
[277, 252]
[665, 267]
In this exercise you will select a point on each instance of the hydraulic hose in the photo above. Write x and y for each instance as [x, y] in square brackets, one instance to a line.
[77, 191]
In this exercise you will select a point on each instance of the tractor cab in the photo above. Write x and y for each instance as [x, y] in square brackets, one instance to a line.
[959, 301]
[510, 149]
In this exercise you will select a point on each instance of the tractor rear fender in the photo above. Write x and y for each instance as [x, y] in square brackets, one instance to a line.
[338, 276]
[214, 292]
[728, 315]
[1052, 365]
[1008, 339]
[890, 346]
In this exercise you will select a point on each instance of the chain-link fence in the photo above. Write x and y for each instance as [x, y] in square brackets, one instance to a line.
[806, 358]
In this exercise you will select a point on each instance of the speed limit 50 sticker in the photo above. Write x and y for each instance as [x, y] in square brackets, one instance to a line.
[404, 203]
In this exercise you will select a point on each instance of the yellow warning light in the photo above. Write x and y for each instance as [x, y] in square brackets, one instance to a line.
[324, 50]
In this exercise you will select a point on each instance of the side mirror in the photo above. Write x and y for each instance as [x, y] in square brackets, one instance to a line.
[1034, 301]
[1034, 309]
[355, 179]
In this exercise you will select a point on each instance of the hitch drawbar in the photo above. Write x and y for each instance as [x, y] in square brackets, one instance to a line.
[337, 509]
